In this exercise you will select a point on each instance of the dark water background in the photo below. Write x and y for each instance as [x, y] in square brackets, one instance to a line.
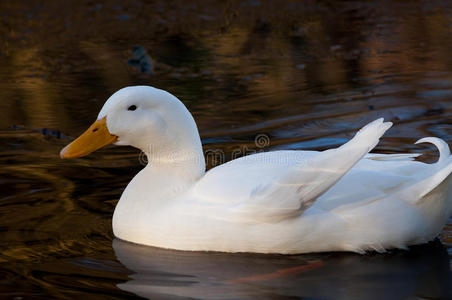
[307, 74]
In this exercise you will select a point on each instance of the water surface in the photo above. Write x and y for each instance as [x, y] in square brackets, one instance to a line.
[306, 76]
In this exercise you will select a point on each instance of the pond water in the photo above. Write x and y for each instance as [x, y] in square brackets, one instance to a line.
[304, 76]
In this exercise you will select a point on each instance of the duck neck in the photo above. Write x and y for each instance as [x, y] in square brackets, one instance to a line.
[187, 164]
[164, 178]
[178, 151]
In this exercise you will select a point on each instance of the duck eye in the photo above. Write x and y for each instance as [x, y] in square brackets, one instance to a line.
[132, 107]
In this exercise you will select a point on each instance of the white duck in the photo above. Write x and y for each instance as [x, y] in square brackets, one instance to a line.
[341, 199]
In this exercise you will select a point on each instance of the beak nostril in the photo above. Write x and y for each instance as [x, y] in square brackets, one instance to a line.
[95, 137]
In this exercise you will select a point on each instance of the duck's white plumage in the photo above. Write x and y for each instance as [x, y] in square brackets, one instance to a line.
[341, 199]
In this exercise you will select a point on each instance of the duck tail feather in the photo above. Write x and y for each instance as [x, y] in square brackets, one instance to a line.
[439, 173]
[441, 145]
[392, 157]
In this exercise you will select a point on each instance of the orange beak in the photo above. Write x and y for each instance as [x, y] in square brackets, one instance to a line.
[95, 137]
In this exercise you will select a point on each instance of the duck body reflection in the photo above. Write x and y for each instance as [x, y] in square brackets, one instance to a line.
[421, 273]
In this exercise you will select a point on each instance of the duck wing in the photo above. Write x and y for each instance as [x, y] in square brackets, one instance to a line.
[273, 186]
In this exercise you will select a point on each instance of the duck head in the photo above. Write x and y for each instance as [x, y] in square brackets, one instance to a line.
[144, 117]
